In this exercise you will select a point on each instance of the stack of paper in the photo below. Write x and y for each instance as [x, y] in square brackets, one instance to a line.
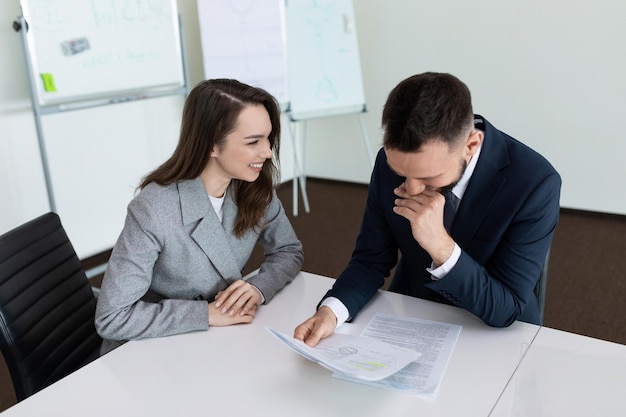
[354, 356]
[398, 353]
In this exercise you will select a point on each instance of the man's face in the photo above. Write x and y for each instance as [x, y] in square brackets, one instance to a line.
[436, 166]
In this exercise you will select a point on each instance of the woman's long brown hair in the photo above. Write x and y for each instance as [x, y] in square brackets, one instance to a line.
[209, 115]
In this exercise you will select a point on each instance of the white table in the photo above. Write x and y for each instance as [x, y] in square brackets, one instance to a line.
[243, 370]
[565, 374]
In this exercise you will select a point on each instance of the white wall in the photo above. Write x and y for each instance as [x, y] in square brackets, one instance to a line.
[22, 187]
[548, 73]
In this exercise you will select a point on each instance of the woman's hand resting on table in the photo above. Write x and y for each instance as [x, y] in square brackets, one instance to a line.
[236, 304]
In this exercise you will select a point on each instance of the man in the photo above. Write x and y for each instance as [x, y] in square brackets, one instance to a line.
[503, 198]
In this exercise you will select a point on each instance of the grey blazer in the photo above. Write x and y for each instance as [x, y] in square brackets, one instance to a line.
[173, 254]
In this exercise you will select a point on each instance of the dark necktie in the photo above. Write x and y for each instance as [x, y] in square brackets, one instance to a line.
[449, 210]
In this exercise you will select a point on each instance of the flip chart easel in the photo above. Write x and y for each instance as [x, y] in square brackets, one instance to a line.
[324, 73]
[303, 52]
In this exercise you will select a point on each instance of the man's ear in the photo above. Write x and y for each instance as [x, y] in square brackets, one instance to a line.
[474, 141]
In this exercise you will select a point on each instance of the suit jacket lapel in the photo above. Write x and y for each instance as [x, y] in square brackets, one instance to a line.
[209, 234]
[484, 186]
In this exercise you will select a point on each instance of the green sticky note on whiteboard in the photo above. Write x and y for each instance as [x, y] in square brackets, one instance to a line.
[48, 82]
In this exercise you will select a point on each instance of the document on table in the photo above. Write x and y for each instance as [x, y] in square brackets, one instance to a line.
[358, 357]
[434, 340]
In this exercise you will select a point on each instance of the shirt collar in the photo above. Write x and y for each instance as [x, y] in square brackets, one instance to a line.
[459, 189]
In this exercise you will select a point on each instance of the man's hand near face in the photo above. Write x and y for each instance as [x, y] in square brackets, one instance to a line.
[424, 212]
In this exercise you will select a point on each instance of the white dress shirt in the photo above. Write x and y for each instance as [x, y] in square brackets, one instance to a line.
[340, 310]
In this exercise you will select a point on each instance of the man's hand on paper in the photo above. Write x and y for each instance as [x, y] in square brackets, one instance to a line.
[321, 325]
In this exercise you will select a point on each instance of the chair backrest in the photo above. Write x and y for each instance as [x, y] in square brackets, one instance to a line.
[540, 288]
[47, 306]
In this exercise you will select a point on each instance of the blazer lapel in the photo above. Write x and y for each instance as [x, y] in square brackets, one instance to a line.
[209, 234]
[484, 186]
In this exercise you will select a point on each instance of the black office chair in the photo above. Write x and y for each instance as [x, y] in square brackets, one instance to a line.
[47, 306]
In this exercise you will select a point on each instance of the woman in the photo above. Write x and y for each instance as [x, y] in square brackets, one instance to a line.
[189, 232]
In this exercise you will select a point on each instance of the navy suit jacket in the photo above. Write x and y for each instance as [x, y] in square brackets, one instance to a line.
[504, 226]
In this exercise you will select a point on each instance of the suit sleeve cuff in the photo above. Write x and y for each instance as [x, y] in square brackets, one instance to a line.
[338, 308]
[443, 269]
[260, 293]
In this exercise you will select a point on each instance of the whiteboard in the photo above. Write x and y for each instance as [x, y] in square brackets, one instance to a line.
[303, 52]
[83, 50]
[244, 40]
[323, 63]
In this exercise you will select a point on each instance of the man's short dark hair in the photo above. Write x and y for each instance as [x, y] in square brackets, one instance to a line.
[426, 107]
